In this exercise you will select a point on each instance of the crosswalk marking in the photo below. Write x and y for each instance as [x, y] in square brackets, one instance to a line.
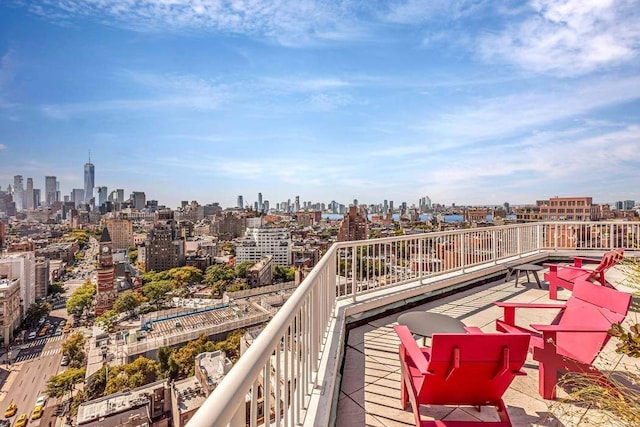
[36, 355]
[41, 341]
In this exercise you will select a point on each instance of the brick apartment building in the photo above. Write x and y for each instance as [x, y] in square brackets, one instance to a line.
[354, 226]
[570, 209]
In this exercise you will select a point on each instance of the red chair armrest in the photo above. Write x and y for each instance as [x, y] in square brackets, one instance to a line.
[573, 328]
[412, 349]
[529, 305]
[583, 259]
[473, 330]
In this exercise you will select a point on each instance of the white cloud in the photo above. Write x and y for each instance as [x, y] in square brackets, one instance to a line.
[290, 22]
[3, 147]
[165, 92]
[500, 117]
[569, 37]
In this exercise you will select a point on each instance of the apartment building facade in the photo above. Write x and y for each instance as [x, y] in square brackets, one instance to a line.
[261, 242]
[570, 209]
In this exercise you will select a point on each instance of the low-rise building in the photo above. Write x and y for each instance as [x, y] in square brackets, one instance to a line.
[261, 273]
[145, 406]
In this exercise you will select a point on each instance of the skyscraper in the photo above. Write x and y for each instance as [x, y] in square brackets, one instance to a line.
[18, 192]
[89, 181]
[102, 195]
[260, 202]
[240, 202]
[49, 190]
[28, 197]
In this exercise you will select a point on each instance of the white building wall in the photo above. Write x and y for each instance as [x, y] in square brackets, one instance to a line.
[260, 242]
[21, 266]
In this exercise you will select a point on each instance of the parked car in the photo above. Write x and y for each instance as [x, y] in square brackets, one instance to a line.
[5, 423]
[32, 335]
[64, 361]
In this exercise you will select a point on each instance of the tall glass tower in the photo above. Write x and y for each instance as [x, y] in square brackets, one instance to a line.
[89, 180]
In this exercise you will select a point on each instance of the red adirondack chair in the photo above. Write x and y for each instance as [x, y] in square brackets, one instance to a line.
[566, 275]
[460, 369]
[575, 337]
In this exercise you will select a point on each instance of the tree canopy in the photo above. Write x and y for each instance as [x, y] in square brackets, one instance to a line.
[135, 374]
[127, 302]
[62, 383]
[156, 292]
[35, 312]
[73, 348]
[108, 320]
[81, 299]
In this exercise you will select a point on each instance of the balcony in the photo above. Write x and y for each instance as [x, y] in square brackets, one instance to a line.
[329, 356]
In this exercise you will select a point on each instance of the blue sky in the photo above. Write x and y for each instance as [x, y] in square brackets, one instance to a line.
[468, 102]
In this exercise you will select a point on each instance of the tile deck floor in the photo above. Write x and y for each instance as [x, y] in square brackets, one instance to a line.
[370, 388]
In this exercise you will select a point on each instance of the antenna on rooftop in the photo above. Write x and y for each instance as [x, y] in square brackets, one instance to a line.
[89, 155]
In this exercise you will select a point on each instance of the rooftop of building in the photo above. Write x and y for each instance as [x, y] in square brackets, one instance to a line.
[214, 365]
[108, 407]
[189, 394]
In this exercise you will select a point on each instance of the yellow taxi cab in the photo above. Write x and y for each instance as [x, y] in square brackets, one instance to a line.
[11, 410]
[67, 328]
[37, 412]
[21, 421]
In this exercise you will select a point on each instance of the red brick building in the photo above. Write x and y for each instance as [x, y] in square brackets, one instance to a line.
[569, 209]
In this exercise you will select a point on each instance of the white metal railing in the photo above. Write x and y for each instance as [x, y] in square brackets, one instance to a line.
[273, 382]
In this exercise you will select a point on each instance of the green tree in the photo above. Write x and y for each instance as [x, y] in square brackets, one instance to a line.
[59, 385]
[241, 269]
[156, 292]
[35, 312]
[283, 274]
[131, 375]
[56, 288]
[96, 384]
[127, 302]
[73, 348]
[218, 272]
[108, 320]
[237, 287]
[183, 276]
[133, 255]
[81, 299]
[182, 360]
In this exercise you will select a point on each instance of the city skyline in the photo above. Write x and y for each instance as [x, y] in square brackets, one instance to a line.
[466, 102]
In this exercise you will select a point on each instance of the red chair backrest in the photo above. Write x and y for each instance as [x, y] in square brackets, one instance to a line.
[609, 259]
[590, 305]
[472, 369]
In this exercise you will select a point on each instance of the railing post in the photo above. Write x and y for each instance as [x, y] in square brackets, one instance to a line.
[354, 260]
[420, 257]
[611, 238]
[494, 247]
[462, 252]
[518, 243]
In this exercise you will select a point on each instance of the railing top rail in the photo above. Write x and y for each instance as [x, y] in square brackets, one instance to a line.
[233, 388]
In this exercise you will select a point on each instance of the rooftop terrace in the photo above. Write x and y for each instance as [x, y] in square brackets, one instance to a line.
[333, 345]
[370, 386]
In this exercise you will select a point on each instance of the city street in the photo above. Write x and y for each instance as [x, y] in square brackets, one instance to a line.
[32, 366]
[36, 360]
